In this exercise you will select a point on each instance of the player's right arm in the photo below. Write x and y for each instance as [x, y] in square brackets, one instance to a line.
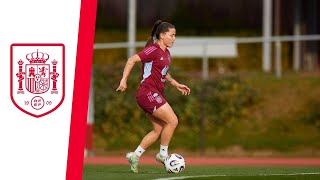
[126, 72]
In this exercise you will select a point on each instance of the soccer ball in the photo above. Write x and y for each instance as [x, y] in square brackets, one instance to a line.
[174, 163]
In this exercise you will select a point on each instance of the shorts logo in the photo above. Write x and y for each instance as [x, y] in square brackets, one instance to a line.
[157, 98]
[37, 77]
[154, 96]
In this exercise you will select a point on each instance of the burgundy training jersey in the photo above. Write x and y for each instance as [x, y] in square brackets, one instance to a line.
[155, 65]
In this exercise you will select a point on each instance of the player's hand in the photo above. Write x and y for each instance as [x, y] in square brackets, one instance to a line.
[123, 85]
[185, 90]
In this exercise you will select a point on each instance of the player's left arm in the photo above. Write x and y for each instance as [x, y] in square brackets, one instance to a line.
[185, 90]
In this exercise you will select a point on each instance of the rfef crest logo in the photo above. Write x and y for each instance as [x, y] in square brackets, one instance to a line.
[37, 77]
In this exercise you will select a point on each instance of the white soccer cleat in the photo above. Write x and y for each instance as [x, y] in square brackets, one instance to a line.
[160, 158]
[133, 161]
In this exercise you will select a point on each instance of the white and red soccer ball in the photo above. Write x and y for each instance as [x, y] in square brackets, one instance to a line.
[174, 163]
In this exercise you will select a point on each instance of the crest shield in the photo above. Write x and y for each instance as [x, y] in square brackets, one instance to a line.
[37, 77]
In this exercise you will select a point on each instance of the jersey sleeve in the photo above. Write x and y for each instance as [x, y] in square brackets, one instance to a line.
[147, 54]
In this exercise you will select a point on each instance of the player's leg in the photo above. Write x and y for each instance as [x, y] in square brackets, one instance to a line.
[167, 115]
[147, 141]
[153, 135]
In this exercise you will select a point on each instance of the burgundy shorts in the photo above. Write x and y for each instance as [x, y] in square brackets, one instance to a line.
[150, 101]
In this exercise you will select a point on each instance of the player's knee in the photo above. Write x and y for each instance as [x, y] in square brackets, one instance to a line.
[174, 122]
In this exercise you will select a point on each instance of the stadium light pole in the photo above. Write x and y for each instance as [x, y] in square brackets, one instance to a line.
[131, 26]
[267, 27]
[297, 32]
[277, 32]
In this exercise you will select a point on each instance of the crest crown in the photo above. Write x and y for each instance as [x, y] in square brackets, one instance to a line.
[37, 57]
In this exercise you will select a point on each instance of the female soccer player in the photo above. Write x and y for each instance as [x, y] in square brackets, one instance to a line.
[155, 58]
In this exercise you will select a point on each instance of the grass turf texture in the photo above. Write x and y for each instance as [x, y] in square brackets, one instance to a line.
[204, 173]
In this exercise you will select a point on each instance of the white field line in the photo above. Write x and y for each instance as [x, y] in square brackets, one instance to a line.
[222, 175]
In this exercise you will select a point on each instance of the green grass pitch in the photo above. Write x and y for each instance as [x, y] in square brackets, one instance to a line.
[204, 173]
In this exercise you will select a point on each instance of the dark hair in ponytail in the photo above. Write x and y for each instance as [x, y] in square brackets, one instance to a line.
[158, 28]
